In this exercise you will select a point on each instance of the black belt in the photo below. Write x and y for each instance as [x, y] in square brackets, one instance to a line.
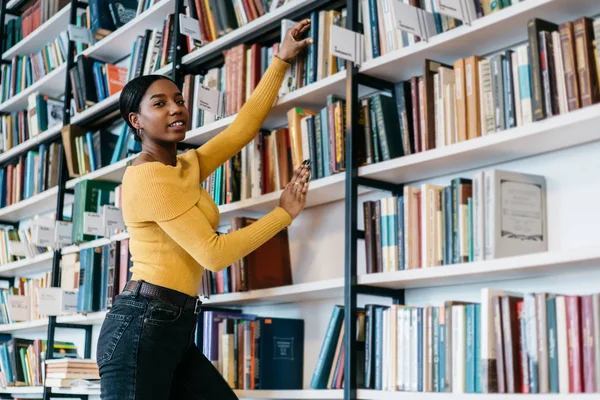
[166, 294]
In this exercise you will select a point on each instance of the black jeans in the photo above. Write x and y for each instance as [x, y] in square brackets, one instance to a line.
[146, 351]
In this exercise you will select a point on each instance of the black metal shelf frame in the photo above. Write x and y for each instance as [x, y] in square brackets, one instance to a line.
[354, 79]
[352, 289]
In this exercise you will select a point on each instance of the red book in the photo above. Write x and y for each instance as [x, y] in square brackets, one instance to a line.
[522, 350]
[574, 340]
[587, 328]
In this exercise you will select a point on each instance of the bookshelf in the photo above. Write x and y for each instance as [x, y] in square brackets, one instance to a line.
[38, 38]
[564, 148]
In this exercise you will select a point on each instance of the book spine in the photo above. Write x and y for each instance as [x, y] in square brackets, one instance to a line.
[587, 337]
[574, 341]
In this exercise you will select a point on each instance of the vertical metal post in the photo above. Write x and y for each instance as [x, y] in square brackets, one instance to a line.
[178, 45]
[350, 284]
[62, 179]
[88, 342]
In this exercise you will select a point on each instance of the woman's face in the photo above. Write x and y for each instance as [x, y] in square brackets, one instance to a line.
[163, 116]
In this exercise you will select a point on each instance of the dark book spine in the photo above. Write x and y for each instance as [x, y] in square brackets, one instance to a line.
[552, 344]
[414, 90]
[378, 239]
[368, 236]
[567, 42]
[510, 328]
[369, 346]
[535, 26]
[378, 370]
[499, 334]
[498, 90]
[509, 92]
[586, 65]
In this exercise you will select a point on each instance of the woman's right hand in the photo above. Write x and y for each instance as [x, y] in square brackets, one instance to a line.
[293, 197]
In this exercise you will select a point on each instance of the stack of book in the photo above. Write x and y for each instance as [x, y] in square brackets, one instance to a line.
[64, 372]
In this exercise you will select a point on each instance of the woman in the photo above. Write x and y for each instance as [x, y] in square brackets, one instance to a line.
[146, 345]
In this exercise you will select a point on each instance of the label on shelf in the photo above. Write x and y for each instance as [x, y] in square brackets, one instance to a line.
[459, 9]
[56, 301]
[113, 219]
[80, 34]
[347, 44]
[211, 100]
[414, 20]
[18, 308]
[190, 27]
[93, 223]
[63, 234]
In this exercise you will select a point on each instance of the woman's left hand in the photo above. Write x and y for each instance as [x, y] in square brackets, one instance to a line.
[293, 41]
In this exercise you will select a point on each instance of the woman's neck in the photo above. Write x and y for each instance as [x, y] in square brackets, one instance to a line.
[166, 154]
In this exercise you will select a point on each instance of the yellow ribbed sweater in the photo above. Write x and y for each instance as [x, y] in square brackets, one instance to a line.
[172, 220]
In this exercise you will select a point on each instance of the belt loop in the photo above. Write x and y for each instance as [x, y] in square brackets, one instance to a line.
[136, 291]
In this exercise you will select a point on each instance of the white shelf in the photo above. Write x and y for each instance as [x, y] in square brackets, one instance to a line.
[513, 144]
[76, 248]
[39, 263]
[38, 204]
[363, 394]
[32, 142]
[239, 33]
[519, 267]
[320, 191]
[119, 43]
[44, 34]
[93, 318]
[289, 394]
[35, 325]
[111, 173]
[490, 33]
[284, 294]
[52, 85]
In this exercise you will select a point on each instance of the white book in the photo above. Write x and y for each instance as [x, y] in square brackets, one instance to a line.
[406, 348]
[400, 348]
[517, 88]
[478, 217]
[393, 328]
[414, 372]
[562, 344]
[459, 348]
[486, 94]
[515, 214]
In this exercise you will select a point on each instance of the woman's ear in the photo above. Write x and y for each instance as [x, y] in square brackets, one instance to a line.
[134, 120]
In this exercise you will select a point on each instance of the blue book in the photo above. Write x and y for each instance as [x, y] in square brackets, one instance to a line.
[327, 352]
[470, 311]
[325, 141]
[442, 346]
[400, 215]
[436, 349]
[477, 325]
[378, 347]
[280, 349]
[552, 343]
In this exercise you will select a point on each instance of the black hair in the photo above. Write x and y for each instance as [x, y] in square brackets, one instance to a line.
[133, 93]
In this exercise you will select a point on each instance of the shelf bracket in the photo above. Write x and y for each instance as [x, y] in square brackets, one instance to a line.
[396, 294]
[375, 83]
[381, 185]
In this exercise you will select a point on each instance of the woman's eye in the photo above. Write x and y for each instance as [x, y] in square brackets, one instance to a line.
[159, 104]
[181, 102]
